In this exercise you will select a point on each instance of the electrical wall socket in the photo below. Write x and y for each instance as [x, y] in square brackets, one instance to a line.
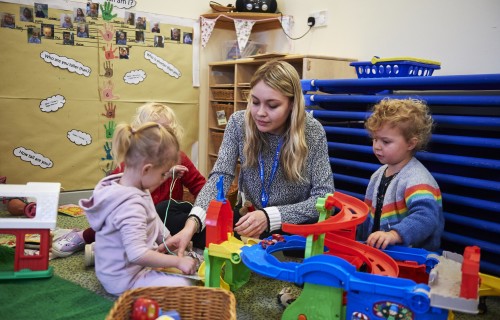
[320, 18]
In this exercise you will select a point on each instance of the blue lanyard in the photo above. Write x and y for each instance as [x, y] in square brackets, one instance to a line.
[264, 196]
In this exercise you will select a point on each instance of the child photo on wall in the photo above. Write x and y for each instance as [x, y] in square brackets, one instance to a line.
[123, 53]
[175, 34]
[83, 31]
[121, 38]
[66, 21]
[187, 38]
[41, 10]
[158, 41]
[8, 20]
[79, 15]
[156, 27]
[48, 31]
[26, 14]
[141, 23]
[93, 9]
[130, 18]
[68, 38]
[34, 35]
[139, 36]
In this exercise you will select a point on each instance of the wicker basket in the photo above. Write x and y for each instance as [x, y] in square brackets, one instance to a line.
[192, 303]
[228, 109]
[223, 94]
[244, 94]
[217, 140]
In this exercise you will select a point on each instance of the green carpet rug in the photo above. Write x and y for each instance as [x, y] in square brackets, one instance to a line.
[49, 298]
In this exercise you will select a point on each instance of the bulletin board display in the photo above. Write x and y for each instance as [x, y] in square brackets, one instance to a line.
[72, 72]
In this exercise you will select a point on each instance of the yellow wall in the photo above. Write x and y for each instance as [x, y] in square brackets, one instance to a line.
[53, 97]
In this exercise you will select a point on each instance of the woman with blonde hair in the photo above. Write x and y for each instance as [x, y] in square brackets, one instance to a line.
[284, 159]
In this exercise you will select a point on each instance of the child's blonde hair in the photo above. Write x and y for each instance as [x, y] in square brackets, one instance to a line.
[148, 143]
[410, 116]
[282, 77]
[158, 112]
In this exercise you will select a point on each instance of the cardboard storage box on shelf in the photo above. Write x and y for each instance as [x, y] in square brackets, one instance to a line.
[231, 51]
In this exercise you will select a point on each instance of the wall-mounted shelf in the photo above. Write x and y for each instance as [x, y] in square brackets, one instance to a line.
[263, 21]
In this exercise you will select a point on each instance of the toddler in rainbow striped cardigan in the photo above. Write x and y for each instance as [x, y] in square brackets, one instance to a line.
[403, 197]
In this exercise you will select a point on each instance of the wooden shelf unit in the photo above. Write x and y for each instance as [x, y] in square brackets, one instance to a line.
[230, 79]
[263, 21]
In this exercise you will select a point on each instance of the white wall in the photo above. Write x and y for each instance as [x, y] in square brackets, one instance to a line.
[464, 35]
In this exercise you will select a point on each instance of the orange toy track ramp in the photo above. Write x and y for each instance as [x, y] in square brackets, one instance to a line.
[377, 261]
[352, 212]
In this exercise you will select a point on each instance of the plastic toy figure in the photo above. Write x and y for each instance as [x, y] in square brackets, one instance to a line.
[19, 207]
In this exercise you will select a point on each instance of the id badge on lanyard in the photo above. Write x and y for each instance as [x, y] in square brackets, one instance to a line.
[264, 194]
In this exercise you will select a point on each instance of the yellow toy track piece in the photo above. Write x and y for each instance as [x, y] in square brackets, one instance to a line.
[201, 274]
[490, 285]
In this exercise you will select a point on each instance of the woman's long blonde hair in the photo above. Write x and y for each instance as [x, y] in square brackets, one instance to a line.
[280, 76]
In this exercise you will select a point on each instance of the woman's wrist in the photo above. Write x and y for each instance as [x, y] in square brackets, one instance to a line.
[193, 224]
[267, 219]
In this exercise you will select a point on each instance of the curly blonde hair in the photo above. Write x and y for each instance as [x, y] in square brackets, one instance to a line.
[411, 116]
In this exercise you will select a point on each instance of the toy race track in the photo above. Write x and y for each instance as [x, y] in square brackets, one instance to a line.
[333, 288]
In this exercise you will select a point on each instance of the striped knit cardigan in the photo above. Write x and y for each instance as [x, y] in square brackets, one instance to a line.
[412, 206]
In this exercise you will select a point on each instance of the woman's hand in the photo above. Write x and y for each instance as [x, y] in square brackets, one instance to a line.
[181, 240]
[252, 225]
[381, 239]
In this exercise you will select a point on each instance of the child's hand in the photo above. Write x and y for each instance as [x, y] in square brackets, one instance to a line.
[187, 265]
[161, 248]
[381, 239]
[178, 171]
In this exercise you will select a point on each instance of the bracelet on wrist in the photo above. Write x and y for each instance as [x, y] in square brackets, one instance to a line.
[196, 221]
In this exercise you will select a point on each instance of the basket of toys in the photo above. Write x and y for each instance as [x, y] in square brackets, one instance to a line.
[216, 139]
[191, 303]
[395, 67]
[222, 112]
[222, 94]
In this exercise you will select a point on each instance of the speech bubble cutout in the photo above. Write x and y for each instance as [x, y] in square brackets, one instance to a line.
[34, 158]
[65, 63]
[162, 64]
[122, 4]
[79, 138]
[52, 104]
[134, 76]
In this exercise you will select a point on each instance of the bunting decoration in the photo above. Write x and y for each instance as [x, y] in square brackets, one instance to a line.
[287, 24]
[243, 30]
[207, 26]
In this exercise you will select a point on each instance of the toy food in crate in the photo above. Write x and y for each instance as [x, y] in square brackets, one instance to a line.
[395, 67]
